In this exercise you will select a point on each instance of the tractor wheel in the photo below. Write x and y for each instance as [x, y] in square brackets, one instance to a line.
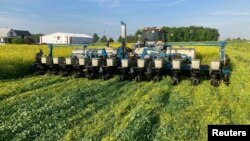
[149, 77]
[54, 72]
[77, 75]
[226, 79]
[226, 61]
[40, 72]
[121, 78]
[33, 68]
[156, 79]
[138, 78]
[66, 74]
[195, 81]
[49, 72]
[87, 76]
[175, 81]
[90, 76]
[215, 83]
[226, 83]
[105, 77]
[63, 74]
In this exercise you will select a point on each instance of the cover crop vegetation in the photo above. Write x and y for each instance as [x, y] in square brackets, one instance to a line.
[56, 108]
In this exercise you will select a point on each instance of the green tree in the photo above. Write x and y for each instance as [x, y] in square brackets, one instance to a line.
[18, 40]
[131, 39]
[36, 37]
[95, 38]
[137, 33]
[120, 39]
[104, 39]
[111, 40]
[29, 40]
[191, 33]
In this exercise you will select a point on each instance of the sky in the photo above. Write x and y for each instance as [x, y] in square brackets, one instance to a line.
[230, 17]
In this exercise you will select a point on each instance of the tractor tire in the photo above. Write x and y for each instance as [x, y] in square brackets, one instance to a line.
[226, 79]
[33, 68]
[66, 74]
[138, 78]
[175, 81]
[121, 78]
[62, 74]
[55, 72]
[49, 72]
[105, 77]
[226, 61]
[40, 72]
[90, 76]
[226, 83]
[87, 76]
[195, 81]
[156, 79]
[215, 83]
[77, 75]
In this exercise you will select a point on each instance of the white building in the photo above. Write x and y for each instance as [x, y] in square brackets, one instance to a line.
[66, 38]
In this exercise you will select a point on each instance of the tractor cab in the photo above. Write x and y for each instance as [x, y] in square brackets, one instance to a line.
[152, 37]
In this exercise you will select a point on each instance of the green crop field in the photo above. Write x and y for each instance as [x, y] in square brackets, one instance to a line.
[55, 108]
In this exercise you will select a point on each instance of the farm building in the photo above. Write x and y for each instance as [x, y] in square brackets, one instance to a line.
[66, 38]
[6, 34]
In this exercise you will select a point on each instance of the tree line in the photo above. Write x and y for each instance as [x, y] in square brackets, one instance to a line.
[33, 39]
[104, 38]
[192, 33]
[172, 34]
[175, 34]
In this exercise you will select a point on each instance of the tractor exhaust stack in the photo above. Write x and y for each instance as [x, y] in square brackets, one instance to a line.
[123, 33]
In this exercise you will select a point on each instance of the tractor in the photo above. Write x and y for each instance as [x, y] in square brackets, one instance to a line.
[150, 58]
